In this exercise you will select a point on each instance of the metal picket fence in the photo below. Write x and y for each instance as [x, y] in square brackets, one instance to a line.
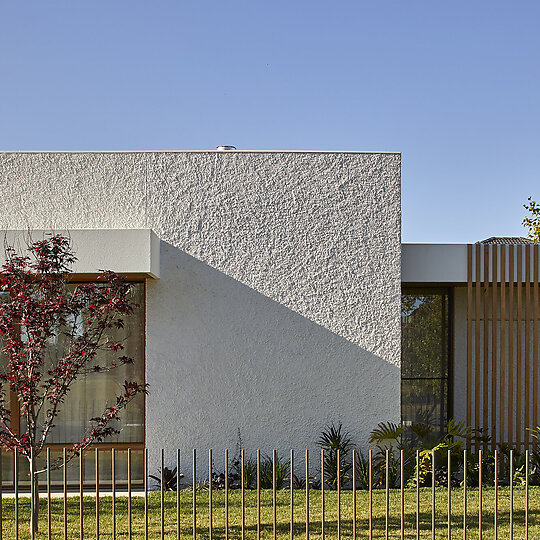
[382, 509]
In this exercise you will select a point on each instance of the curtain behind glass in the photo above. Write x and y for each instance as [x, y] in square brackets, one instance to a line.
[92, 393]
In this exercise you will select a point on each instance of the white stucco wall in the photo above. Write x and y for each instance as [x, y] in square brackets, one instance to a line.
[278, 307]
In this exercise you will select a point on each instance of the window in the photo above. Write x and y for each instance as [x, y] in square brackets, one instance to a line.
[87, 398]
[91, 393]
[424, 356]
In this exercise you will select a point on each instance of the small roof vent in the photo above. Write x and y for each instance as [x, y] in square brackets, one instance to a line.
[225, 148]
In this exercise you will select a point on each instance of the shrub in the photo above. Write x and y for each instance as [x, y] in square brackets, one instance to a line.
[331, 440]
[267, 472]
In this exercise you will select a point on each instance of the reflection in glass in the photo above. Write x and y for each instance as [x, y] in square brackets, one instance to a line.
[92, 393]
[424, 356]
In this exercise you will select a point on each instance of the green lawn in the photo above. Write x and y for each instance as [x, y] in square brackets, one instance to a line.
[283, 514]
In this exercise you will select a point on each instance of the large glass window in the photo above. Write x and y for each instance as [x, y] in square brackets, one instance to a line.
[91, 393]
[424, 356]
[88, 397]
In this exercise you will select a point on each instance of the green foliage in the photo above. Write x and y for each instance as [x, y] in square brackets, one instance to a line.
[362, 471]
[250, 473]
[387, 436]
[267, 472]
[331, 440]
[533, 222]
[169, 479]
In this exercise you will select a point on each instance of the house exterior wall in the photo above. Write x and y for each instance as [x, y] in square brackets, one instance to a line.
[278, 306]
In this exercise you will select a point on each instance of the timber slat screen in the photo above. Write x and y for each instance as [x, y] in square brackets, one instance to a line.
[403, 494]
[502, 341]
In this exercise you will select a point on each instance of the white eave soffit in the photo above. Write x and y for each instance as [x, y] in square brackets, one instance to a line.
[124, 251]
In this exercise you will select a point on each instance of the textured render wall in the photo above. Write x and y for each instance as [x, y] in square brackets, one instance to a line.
[278, 307]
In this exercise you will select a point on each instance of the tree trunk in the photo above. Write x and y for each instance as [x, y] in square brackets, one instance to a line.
[34, 494]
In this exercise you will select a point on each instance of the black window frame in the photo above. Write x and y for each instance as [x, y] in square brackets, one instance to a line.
[427, 289]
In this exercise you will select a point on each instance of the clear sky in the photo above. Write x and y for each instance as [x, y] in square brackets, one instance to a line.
[454, 86]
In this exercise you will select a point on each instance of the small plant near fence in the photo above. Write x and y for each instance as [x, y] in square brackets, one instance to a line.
[412, 482]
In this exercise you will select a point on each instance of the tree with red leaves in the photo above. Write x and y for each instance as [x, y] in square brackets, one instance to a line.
[39, 307]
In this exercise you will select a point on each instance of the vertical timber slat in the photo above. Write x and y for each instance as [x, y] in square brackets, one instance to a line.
[502, 351]
[478, 290]
[536, 420]
[527, 344]
[469, 331]
[494, 280]
[511, 288]
[519, 350]
[485, 328]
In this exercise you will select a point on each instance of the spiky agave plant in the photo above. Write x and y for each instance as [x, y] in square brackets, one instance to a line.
[332, 439]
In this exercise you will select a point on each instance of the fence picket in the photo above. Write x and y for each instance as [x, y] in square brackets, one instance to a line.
[49, 523]
[162, 493]
[242, 483]
[339, 494]
[227, 495]
[291, 486]
[307, 494]
[64, 482]
[511, 494]
[16, 490]
[322, 495]
[527, 494]
[274, 495]
[387, 495]
[258, 494]
[370, 466]
[402, 493]
[129, 493]
[113, 474]
[145, 472]
[194, 494]
[449, 486]
[464, 494]
[354, 492]
[480, 479]
[210, 528]
[496, 495]
[383, 477]
[97, 493]
[433, 495]
[178, 478]
[417, 495]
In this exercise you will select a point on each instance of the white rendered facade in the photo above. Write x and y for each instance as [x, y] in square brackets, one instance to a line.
[273, 282]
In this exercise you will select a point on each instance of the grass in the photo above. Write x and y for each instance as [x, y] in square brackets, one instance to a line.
[283, 515]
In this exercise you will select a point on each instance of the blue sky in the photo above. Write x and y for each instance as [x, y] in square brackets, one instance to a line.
[454, 86]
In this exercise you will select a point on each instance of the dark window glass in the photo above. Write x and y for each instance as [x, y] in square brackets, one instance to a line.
[424, 356]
